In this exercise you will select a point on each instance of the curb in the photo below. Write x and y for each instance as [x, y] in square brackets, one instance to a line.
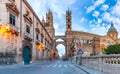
[82, 69]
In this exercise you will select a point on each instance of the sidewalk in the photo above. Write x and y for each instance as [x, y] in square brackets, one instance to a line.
[10, 66]
[89, 70]
[21, 65]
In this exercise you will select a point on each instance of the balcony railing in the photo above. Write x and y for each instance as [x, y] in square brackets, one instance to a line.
[105, 63]
[15, 28]
[37, 41]
[28, 36]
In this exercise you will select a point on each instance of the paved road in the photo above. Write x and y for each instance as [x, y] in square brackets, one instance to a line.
[55, 67]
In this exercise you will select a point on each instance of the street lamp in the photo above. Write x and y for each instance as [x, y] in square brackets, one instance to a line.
[102, 47]
[41, 47]
[51, 54]
[5, 31]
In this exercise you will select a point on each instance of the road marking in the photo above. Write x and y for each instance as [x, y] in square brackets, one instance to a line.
[79, 70]
[60, 66]
[65, 66]
[62, 71]
[71, 65]
[54, 65]
[50, 65]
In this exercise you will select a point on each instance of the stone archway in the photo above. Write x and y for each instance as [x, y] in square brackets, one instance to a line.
[61, 50]
[63, 42]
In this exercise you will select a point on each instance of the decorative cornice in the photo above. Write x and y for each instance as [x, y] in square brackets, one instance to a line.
[12, 7]
[37, 29]
[27, 18]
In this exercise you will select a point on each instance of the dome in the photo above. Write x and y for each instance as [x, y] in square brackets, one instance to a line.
[112, 28]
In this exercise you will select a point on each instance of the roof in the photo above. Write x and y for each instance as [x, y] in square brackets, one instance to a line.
[86, 33]
[112, 28]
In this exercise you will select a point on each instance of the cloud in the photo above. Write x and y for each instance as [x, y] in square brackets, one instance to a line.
[99, 21]
[96, 14]
[93, 7]
[104, 7]
[116, 9]
[80, 28]
[98, 29]
[107, 17]
[90, 8]
[90, 22]
[61, 49]
[58, 9]
[113, 15]
[56, 25]
[82, 19]
[41, 7]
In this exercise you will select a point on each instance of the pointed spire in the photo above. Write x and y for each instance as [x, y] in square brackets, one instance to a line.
[49, 10]
[68, 10]
[43, 19]
[112, 24]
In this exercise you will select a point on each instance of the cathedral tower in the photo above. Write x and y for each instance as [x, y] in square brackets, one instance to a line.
[68, 32]
[49, 19]
[68, 20]
[49, 23]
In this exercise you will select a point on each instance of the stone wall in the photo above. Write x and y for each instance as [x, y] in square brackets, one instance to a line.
[104, 63]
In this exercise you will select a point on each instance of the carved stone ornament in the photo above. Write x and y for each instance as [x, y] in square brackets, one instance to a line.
[12, 8]
[27, 17]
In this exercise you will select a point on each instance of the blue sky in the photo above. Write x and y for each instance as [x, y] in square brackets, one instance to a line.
[92, 16]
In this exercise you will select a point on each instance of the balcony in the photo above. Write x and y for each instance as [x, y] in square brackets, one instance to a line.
[37, 41]
[14, 29]
[28, 36]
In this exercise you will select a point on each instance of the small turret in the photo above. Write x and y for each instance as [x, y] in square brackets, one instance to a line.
[112, 32]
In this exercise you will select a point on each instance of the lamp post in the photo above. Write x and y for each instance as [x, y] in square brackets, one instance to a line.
[4, 29]
[102, 47]
[41, 48]
[51, 54]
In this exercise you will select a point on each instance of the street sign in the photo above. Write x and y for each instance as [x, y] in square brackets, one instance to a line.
[80, 51]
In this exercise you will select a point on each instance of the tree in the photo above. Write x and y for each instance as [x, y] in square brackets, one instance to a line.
[112, 49]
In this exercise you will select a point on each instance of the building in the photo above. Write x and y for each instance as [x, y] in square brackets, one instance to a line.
[22, 33]
[90, 44]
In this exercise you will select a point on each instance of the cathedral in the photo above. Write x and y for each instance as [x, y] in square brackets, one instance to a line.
[90, 44]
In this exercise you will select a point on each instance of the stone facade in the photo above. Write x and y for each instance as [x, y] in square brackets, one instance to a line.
[26, 30]
[91, 44]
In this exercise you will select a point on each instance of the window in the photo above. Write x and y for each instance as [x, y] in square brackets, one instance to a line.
[68, 26]
[27, 28]
[37, 36]
[68, 20]
[48, 18]
[12, 19]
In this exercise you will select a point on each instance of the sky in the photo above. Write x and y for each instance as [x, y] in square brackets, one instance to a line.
[93, 16]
